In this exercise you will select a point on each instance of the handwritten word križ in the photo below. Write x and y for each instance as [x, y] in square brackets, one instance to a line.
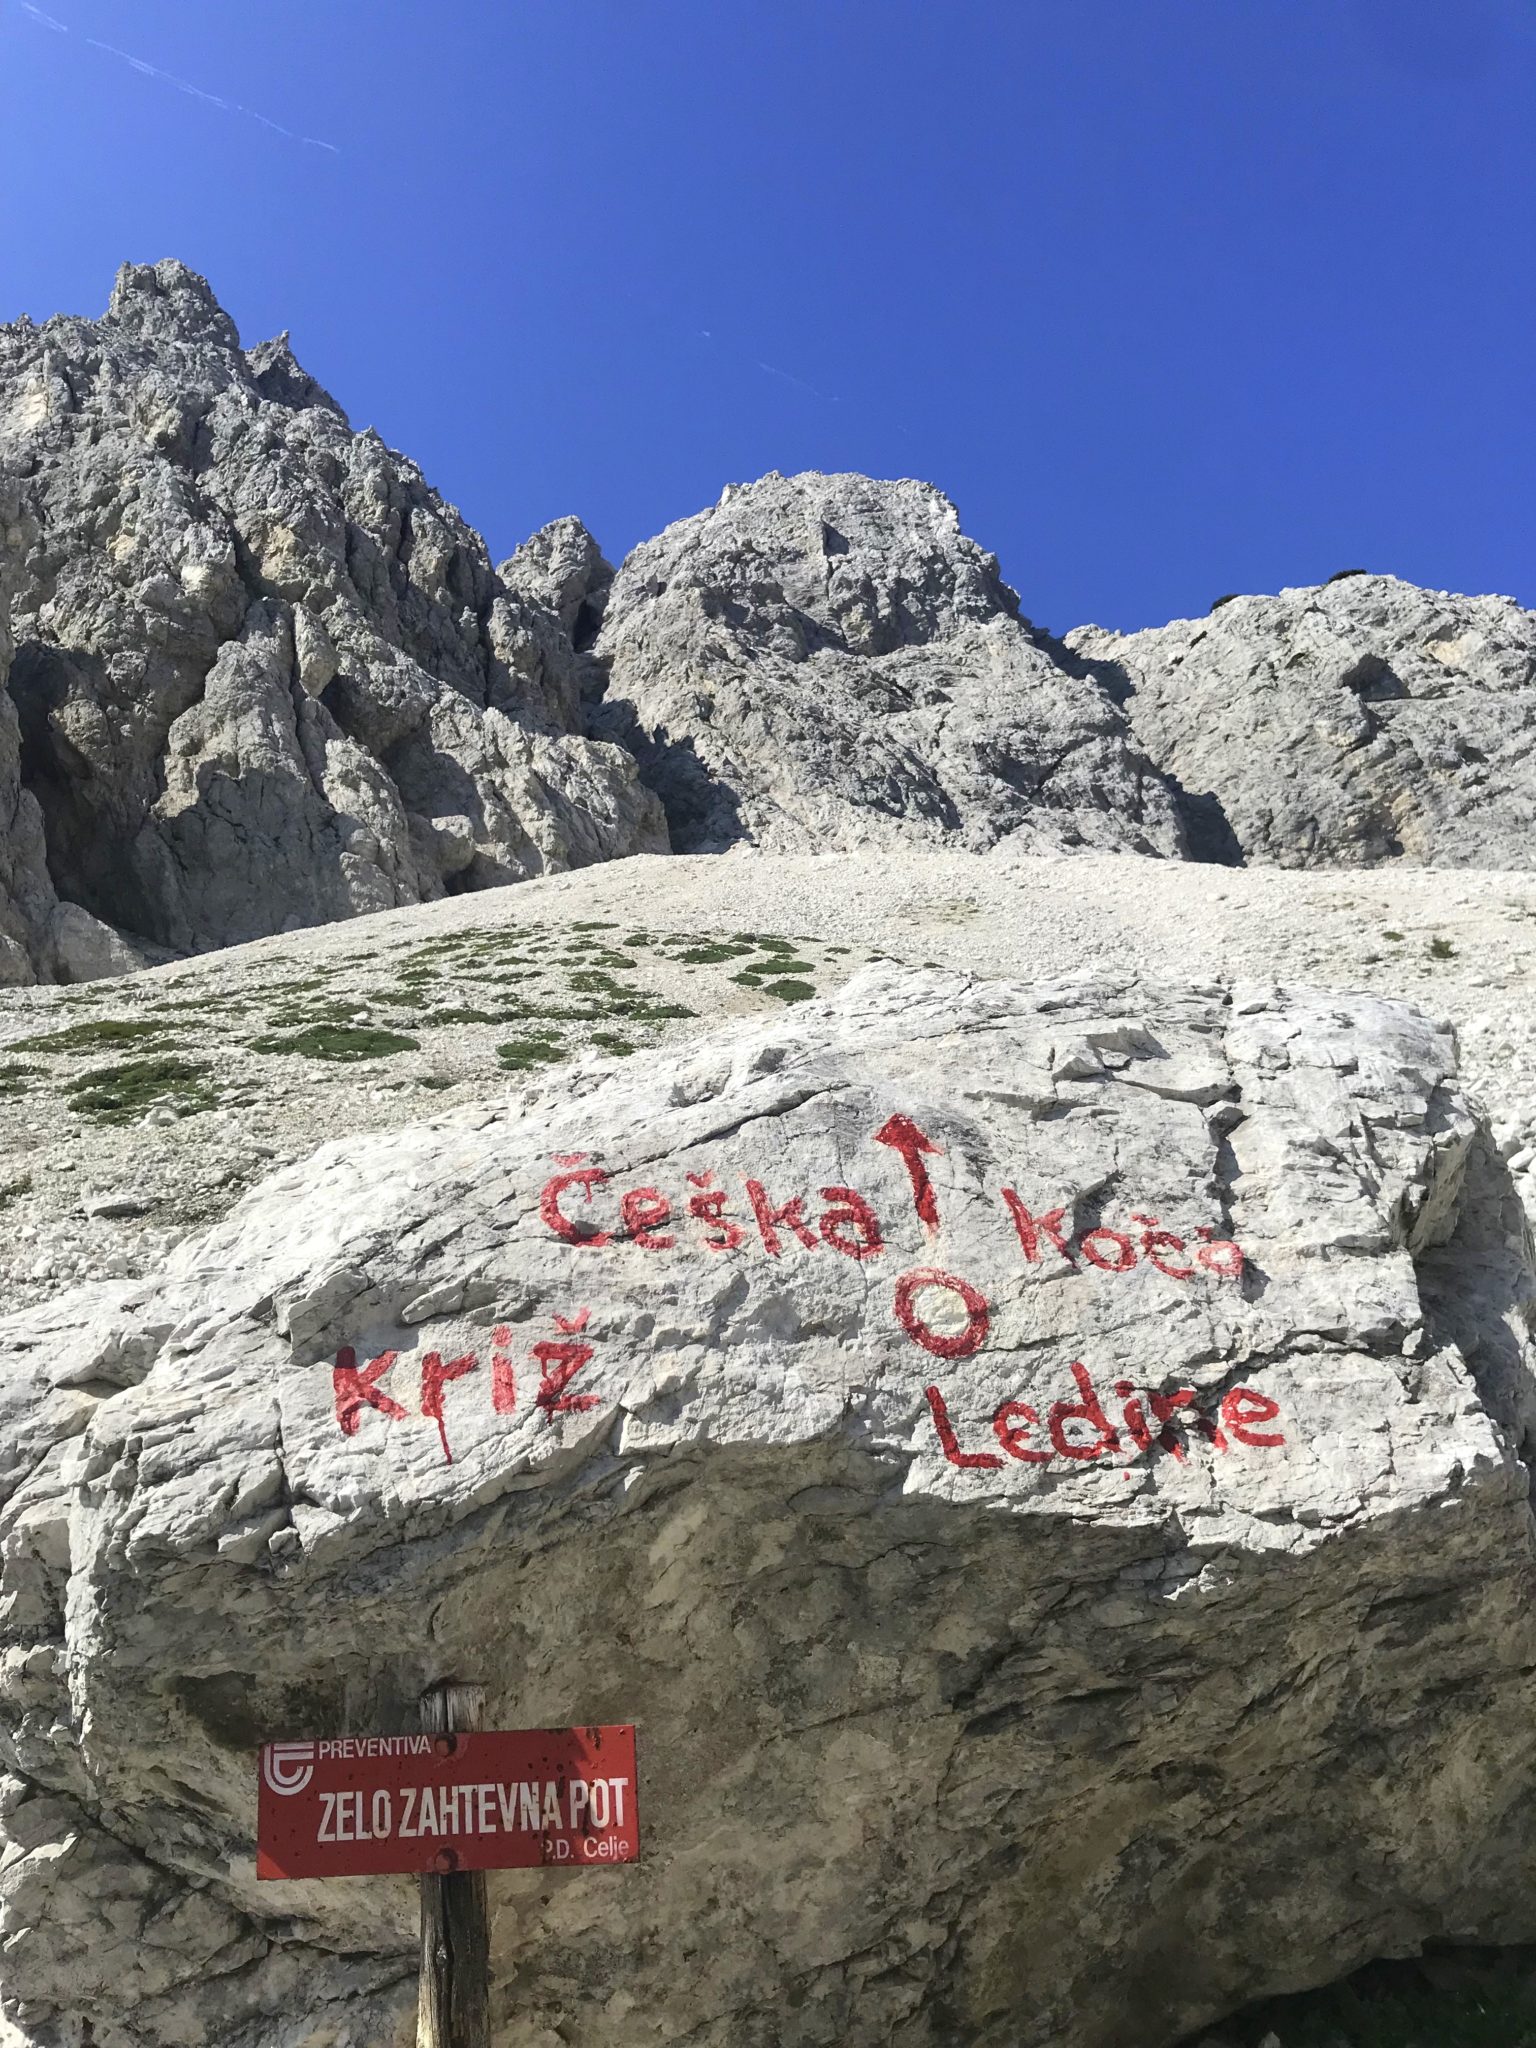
[355, 1388]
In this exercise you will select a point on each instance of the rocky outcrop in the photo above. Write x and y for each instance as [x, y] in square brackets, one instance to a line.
[562, 569]
[828, 662]
[1361, 721]
[1042, 1466]
[265, 676]
[41, 939]
[26, 894]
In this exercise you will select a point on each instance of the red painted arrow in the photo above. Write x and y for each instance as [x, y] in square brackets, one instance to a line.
[904, 1136]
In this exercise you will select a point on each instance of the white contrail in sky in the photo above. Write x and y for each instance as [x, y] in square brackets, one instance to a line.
[800, 384]
[211, 99]
[773, 370]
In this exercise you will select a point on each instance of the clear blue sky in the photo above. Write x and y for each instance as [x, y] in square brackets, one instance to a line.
[1173, 297]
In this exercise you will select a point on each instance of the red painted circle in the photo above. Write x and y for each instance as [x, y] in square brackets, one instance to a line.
[963, 1342]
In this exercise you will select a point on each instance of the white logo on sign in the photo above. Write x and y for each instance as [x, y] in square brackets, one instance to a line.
[288, 1766]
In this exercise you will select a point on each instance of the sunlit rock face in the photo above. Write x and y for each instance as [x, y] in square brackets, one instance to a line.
[1041, 1466]
[27, 900]
[265, 677]
[1361, 721]
[829, 662]
[41, 939]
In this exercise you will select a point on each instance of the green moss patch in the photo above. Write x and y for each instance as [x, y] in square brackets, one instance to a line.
[791, 991]
[615, 1001]
[206, 1005]
[298, 1019]
[610, 1041]
[541, 1014]
[464, 1013]
[451, 942]
[100, 1036]
[338, 1042]
[306, 985]
[712, 955]
[521, 1053]
[16, 1080]
[639, 1009]
[596, 981]
[120, 1094]
[772, 942]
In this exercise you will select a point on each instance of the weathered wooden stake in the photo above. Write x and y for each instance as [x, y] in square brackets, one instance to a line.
[454, 2010]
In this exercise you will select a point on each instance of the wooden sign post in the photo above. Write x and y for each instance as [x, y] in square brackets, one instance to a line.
[454, 2008]
[446, 1805]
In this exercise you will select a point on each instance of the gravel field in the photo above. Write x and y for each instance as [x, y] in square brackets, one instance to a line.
[134, 1110]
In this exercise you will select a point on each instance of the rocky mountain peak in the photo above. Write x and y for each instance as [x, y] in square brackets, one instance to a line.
[853, 564]
[265, 676]
[278, 376]
[1344, 723]
[167, 301]
[562, 568]
[829, 661]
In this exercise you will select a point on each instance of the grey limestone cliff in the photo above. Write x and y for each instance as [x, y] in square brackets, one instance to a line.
[562, 568]
[1359, 721]
[264, 675]
[39, 935]
[829, 662]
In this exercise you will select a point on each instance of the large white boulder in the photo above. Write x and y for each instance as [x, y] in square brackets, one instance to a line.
[1042, 1467]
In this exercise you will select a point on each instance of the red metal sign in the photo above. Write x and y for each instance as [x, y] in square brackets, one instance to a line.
[364, 1805]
